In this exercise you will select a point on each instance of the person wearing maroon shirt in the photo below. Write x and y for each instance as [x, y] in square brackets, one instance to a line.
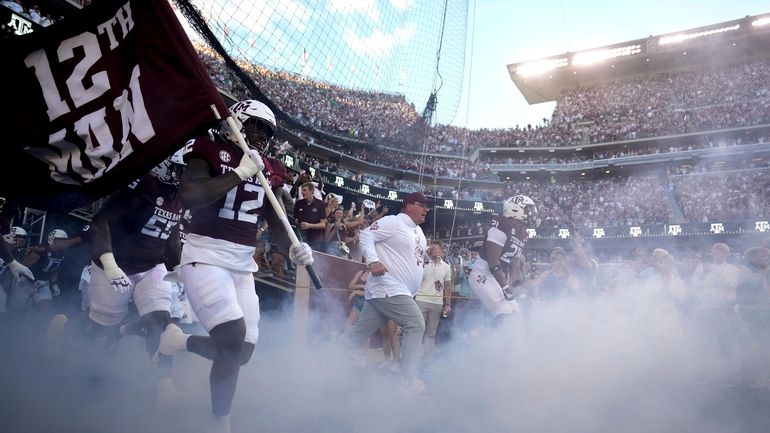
[221, 188]
[310, 214]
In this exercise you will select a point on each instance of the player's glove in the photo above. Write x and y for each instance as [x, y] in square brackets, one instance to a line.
[251, 164]
[301, 254]
[20, 270]
[174, 276]
[118, 279]
[55, 289]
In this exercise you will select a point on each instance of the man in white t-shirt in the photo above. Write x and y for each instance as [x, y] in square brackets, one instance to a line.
[716, 281]
[435, 295]
[394, 251]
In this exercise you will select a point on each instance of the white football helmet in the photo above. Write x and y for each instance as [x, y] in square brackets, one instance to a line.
[56, 234]
[16, 232]
[254, 111]
[170, 169]
[520, 207]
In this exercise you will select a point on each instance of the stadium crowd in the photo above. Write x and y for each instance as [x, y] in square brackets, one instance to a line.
[727, 97]
[31, 11]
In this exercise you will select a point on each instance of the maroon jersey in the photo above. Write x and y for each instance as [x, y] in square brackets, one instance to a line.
[516, 236]
[139, 239]
[233, 217]
[5, 226]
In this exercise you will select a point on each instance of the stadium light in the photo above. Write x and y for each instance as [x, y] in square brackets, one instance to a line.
[759, 22]
[538, 67]
[681, 37]
[596, 56]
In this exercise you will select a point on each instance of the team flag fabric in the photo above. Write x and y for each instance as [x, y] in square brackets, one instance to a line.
[97, 99]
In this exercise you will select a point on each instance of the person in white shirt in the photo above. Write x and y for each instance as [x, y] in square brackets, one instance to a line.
[394, 250]
[435, 295]
[716, 281]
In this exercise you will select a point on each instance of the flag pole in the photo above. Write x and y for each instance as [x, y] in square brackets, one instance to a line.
[236, 132]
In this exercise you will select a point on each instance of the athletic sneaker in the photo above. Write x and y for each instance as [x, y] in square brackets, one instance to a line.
[358, 358]
[172, 340]
[54, 335]
[415, 389]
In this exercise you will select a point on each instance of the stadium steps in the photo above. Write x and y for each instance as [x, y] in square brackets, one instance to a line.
[677, 216]
[266, 277]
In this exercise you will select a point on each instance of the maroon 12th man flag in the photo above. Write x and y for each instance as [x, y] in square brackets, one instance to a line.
[95, 100]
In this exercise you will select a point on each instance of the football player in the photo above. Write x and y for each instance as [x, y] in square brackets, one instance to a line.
[45, 265]
[222, 190]
[496, 271]
[133, 236]
[10, 253]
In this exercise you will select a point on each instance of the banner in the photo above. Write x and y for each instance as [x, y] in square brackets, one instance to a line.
[329, 306]
[95, 100]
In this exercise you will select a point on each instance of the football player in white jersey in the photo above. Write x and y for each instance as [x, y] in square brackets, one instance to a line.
[497, 270]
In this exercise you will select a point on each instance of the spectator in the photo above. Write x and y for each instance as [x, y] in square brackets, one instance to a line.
[310, 215]
[435, 295]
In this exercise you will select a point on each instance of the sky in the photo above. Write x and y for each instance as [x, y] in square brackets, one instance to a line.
[505, 31]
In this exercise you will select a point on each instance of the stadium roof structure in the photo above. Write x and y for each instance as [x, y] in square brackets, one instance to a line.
[715, 45]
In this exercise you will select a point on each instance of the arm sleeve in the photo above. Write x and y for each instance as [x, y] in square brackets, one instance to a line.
[376, 232]
[496, 236]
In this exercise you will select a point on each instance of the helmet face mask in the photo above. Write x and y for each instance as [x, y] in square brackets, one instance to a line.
[257, 134]
[522, 208]
[256, 122]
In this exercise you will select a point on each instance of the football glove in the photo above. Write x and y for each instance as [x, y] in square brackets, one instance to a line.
[251, 164]
[20, 270]
[118, 279]
[301, 254]
[174, 276]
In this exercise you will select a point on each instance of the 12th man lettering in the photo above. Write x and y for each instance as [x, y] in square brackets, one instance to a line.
[84, 86]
